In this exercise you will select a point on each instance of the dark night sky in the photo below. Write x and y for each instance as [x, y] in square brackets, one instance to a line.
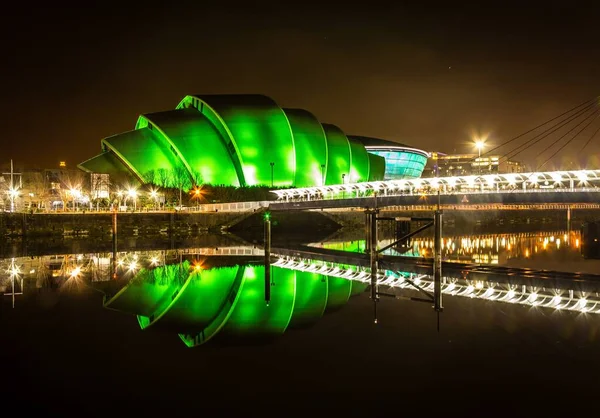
[423, 74]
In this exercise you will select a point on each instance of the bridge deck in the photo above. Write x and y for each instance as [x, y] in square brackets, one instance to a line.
[552, 199]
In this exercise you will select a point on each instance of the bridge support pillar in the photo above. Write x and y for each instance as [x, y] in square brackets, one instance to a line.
[371, 226]
[114, 243]
[367, 232]
[437, 261]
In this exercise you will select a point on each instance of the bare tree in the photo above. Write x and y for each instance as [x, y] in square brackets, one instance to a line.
[181, 180]
[150, 176]
[70, 181]
[197, 179]
[36, 186]
[162, 178]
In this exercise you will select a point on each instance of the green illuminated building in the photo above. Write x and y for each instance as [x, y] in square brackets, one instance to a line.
[239, 140]
[229, 301]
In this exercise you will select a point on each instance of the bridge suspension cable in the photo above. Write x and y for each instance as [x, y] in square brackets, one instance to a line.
[545, 134]
[569, 141]
[587, 104]
[590, 139]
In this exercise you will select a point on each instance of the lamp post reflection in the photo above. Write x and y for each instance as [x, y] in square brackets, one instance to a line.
[14, 273]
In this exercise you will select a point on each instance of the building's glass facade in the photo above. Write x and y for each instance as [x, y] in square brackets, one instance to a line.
[402, 164]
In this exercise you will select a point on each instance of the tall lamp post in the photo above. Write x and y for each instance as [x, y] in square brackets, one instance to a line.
[132, 193]
[154, 196]
[322, 174]
[13, 192]
[197, 195]
[75, 194]
[272, 164]
[479, 144]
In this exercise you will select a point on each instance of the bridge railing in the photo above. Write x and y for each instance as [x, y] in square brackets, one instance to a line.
[357, 194]
[579, 180]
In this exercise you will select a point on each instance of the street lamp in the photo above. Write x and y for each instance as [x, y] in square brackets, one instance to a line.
[479, 144]
[272, 164]
[198, 193]
[132, 193]
[75, 193]
[13, 194]
[154, 196]
[120, 196]
[322, 174]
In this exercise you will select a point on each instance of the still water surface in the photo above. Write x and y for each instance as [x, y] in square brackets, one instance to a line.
[95, 333]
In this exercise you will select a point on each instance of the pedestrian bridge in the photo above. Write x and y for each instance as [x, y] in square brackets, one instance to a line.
[551, 190]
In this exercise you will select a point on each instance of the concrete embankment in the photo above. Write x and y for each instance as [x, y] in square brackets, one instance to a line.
[99, 224]
[250, 224]
[154, 223]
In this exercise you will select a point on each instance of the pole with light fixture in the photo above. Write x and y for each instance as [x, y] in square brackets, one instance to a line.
[479, 144]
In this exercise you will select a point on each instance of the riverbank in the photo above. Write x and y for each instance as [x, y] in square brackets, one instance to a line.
[150, 224]
[249, 225]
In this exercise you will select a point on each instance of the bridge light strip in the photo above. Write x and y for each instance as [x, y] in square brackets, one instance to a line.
[556, 180]
[557, 299]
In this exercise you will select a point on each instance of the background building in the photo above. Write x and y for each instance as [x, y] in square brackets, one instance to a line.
[244, 140]
[447, 165]
[49, 188]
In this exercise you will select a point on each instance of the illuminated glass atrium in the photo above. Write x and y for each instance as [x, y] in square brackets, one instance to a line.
[244, 140]
[401, 161]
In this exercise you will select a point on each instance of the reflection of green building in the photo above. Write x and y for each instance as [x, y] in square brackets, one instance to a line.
[239, 140]
[230, 301]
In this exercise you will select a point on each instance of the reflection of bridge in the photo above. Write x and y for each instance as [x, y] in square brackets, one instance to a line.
[547, 289]
[551, 190]
[422, 265]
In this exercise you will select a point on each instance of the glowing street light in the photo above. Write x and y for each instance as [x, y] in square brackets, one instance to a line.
[75, 194]
[197, 193]
[13, 194]
[479, 144]
[132, 193]
[154, 197]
